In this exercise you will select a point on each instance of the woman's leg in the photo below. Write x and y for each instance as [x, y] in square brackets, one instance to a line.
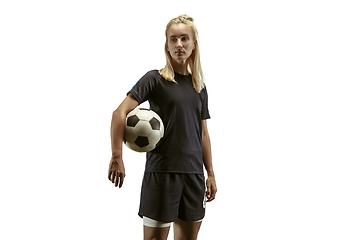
[186, 230]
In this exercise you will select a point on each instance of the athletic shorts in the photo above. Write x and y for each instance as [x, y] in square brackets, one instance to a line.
[167, 197]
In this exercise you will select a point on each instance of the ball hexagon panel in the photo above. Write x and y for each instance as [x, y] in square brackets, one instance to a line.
[161, 130]
[155, 115]
[147, 148]
[154, 137]
[134, 112]
[130, 134]
[133, 146]
[144, 114]
[143, 128]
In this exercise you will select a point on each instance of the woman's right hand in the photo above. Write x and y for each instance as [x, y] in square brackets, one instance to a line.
[116, 171]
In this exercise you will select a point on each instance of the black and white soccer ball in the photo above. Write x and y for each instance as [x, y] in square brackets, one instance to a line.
[143, 130]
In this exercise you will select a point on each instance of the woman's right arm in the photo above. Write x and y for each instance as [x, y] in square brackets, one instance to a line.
[116, 167]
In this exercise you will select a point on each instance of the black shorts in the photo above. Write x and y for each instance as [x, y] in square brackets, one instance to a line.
[166, 197]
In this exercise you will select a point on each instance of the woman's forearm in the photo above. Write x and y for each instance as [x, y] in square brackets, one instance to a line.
[117, 132]
[118, 124]
[207, 155]
[206, 145]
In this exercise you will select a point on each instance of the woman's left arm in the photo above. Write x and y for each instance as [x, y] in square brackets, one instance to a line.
[211, 188]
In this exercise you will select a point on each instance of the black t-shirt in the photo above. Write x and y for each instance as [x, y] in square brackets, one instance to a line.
[181, 109]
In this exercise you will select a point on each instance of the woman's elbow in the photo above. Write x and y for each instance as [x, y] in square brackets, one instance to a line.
[205, 134]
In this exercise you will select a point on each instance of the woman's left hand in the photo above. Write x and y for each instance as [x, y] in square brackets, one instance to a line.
[211, 189]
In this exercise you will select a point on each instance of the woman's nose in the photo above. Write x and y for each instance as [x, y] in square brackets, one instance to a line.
[178, 43]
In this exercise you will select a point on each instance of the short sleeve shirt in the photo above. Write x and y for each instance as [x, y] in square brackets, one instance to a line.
[181, 109]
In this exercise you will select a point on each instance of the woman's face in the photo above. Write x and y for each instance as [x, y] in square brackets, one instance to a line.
[180, 42]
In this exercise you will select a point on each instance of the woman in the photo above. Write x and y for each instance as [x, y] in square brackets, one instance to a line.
[173, 187]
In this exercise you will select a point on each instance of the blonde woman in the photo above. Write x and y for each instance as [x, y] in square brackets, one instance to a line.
[174, 187]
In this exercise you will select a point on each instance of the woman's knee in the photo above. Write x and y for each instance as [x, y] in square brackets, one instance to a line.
[186, 230]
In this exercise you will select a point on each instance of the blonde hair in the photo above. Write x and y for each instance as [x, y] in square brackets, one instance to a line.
[193, 61]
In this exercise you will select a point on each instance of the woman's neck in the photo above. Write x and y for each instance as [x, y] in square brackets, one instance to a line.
[180, 67]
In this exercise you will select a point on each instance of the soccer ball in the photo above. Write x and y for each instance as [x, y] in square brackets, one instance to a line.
[143, 130]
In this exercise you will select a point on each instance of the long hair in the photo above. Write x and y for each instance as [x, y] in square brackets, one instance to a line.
[193, 61]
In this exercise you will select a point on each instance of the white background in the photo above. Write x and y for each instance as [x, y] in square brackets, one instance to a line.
[283, 83]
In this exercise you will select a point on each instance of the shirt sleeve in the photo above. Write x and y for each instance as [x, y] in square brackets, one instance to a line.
[204, 101]
[143, 89]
